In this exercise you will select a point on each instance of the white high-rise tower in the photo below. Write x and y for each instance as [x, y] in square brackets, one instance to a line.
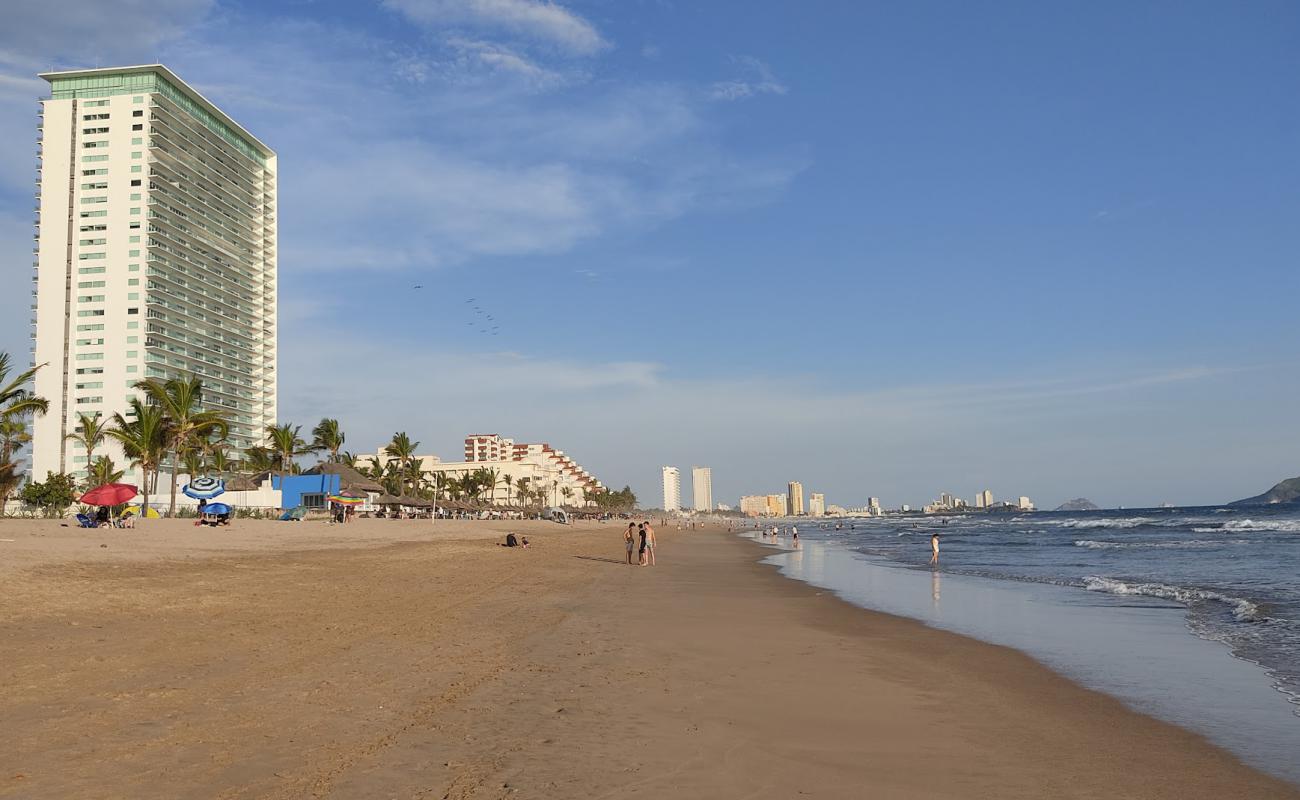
[702, 488]
[672, 489]
[156, 256]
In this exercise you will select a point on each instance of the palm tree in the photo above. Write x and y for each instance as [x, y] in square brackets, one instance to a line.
[567, 491]
[507, 480]
[144, 434]
[219, 460]
[180, 400]
[285, 442]
[259, 459]
[194, 463]
[348, 458]
[15, 399]
[522, 490]
[327, 436]
[102, 471]
[13, 435]
[401, 448]
[89, 433]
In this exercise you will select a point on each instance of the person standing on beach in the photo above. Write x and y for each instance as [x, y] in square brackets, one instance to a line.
[650, 544]
[934, 549]
[629, 540]
[641, 531]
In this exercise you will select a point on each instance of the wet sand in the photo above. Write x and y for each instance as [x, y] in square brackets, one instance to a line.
[388, 659]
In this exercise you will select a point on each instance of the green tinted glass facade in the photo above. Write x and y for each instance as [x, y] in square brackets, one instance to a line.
[144, 82]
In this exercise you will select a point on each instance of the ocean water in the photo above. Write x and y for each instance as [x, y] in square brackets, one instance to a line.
[1191, 614]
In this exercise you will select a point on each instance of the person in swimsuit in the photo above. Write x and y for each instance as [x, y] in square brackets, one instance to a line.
[934, 548]
[641, 557]
[629, 540]
[650, 544]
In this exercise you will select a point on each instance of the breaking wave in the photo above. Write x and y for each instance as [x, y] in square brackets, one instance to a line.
[1189, 544]
[1242, 610]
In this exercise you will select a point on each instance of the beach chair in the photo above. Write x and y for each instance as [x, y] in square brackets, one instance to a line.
[85, 521]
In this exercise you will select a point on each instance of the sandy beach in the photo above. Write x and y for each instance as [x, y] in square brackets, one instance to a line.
[414, 660]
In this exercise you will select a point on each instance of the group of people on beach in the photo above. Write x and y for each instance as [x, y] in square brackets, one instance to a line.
[640, 536]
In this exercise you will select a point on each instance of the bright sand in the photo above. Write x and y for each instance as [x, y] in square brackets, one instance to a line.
[287, 660]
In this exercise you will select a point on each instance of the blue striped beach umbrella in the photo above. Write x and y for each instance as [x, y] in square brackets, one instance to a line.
[204, 488]
[216, 508]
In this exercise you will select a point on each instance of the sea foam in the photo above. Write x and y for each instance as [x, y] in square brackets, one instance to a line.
[1242, 610]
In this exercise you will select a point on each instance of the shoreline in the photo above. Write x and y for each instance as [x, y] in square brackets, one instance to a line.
[1139, 650]
[455, 668]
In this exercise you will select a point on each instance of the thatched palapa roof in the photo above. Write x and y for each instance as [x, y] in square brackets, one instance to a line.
[349, 478]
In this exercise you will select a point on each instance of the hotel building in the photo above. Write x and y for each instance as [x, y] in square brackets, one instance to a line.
[816, 505]
[155, 256]
[702, 488]
[672, 489]
[546, 468]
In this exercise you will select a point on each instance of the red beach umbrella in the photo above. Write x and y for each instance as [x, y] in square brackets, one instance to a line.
[110, 494]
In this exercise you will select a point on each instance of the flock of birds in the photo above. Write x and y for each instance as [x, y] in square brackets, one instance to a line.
[485, 322]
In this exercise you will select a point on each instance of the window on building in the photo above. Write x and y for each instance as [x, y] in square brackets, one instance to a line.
[86, 173]
[89, 214]
[137, 113]
[90, 270]
[90, 370]
[93, 117]
[89, 228]
[93, 131]
[137, 127]
[133, 311]
[135, 182]
[95, 185]
[94, 103]
[313, 500]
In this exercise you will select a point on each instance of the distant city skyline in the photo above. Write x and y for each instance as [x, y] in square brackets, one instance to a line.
[1134, 301]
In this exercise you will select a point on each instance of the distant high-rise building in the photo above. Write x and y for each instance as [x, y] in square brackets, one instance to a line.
[795, 495]
[984, 499]
[672, 489]
[754, 505]
[702, 488]
[776, 505]
[1025, 504]
[873, 505]
[156, 258]
[816, 505]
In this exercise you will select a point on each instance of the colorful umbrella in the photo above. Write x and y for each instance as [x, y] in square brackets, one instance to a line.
[110, 494]
[216, 508]
[204, 488]
[151, 513]
[346, 500]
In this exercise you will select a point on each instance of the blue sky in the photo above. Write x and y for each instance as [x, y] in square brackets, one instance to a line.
[884, 249]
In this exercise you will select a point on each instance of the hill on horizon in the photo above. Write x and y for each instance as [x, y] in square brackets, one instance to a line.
[1078, 504]
[1287, 491]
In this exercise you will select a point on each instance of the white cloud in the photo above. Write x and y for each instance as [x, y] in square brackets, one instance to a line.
[499, 58]
[537, 20]
[756, 78]
[92, 33]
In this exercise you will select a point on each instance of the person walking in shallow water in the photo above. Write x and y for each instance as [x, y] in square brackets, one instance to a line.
[934, 549]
